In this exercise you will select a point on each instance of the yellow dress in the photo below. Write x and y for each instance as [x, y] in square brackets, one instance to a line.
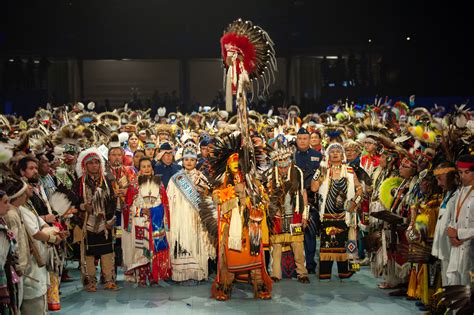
[418, 286]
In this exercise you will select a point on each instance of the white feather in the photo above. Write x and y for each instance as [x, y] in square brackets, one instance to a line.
[59, 202]
[162, 111]
[461, 121]
[361, 137]
[5, 154]
[59, 151]
[416, 145]
[61, 171]
[470, 125]
[224, 114]
[123, 137]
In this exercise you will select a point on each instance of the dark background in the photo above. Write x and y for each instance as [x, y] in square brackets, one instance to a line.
[435, 62]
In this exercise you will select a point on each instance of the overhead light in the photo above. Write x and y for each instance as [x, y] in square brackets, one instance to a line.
[370, 40]
[331, 57]
[126, 59]
[408, 38]
[37, 61]
[11, 60]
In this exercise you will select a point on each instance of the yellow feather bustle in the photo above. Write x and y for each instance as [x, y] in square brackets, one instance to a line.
[387, 189]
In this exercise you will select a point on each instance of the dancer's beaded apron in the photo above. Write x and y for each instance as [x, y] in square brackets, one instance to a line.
[334, 233]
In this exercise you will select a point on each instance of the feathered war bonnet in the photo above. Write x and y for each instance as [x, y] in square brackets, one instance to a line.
[280, 151]
[87, 156]
[248, 54]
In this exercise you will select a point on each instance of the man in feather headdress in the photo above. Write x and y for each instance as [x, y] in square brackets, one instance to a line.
[241, 213]
[121, 177]
[420, 233]
[66, 141]
[248, 54]
[353, 150]
[66, 173]
[398, 268]
[97, 204]
[291, 210]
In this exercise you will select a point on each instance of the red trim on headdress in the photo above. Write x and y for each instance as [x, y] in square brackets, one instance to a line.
[87, 157]
[241, 44]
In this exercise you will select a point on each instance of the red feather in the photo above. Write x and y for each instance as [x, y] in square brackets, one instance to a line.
[243, 45]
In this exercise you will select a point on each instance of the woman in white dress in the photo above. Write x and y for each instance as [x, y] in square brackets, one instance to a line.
[189, 243]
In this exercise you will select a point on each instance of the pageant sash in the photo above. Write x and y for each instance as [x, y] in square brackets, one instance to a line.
[187, 188]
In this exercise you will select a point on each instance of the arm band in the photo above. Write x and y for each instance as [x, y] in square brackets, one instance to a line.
[316, 175]
[52, 239]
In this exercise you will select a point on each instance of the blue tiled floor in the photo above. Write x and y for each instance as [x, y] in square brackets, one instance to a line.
[357, 295]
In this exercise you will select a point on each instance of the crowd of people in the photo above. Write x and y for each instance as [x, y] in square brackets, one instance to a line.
[165, 198]
[175, 197]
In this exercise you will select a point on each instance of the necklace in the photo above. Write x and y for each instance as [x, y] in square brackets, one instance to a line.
[335, 169]
[462, 199]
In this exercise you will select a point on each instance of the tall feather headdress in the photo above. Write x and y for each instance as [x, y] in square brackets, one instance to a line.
[248, 53]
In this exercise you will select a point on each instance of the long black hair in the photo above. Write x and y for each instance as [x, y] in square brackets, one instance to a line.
[452, 178]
